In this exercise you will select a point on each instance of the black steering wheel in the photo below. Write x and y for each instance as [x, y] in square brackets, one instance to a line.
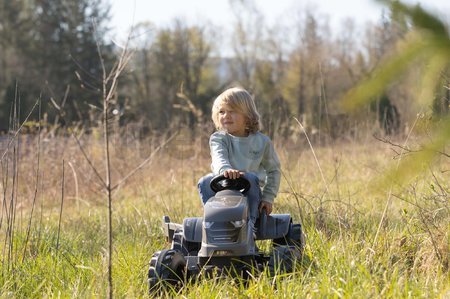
[220, 182]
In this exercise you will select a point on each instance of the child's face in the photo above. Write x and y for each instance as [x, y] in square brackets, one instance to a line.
[233, 122]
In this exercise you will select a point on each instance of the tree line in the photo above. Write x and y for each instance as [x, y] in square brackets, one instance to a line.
[53, 50]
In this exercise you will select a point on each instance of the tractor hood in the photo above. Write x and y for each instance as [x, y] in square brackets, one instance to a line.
[228, 204]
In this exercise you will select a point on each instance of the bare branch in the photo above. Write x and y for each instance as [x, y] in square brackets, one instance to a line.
[89, 161]
[405, 148]
[18, 130]
[36, 184]
[145, 162]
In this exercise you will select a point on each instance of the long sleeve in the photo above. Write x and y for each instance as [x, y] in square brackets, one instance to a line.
[271, 164]
[254, 153]
[219, 153]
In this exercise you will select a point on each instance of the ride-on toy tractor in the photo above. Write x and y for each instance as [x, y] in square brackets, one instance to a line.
[222, 241]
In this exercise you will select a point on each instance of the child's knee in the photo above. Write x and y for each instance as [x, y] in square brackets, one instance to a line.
[205, 180]
[204, 189]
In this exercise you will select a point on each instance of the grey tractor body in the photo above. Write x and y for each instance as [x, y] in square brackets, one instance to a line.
[222, 240]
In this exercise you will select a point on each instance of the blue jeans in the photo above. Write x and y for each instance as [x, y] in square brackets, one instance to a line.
[253, 194]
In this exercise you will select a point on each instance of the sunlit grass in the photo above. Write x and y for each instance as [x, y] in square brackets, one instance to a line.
[340, 217]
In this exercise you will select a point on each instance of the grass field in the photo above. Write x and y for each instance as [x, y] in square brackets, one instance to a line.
[365, 239]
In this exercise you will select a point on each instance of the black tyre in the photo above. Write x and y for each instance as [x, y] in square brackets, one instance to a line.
[283, 259]
[180, 244]
[295, 237]
[167, 268]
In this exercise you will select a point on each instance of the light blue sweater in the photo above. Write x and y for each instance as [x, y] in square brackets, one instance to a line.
[254, 153]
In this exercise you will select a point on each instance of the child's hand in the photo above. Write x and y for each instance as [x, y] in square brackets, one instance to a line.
[265, 205]
[232, 174]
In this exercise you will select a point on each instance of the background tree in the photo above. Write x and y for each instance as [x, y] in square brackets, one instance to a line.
[67, 33]
[258, 63]
[173, 58]
[427, 47]
[306, 77]
[246, 41]
[56, 54]
[16, 23]
[48, 48]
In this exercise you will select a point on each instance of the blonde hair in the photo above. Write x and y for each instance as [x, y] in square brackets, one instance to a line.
[239, 100]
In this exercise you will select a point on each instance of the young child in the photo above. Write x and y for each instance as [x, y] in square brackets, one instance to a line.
[238, 149]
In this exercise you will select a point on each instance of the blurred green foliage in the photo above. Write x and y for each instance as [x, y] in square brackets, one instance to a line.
[426, 46]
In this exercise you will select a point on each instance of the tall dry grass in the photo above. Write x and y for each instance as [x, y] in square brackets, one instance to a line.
[352, 250]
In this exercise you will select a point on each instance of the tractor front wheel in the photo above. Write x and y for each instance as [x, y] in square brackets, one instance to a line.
[167, 268]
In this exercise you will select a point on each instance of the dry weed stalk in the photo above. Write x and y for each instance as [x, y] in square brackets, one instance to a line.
[61, 208]
[11, 210]
[327, 190]
[109, 86]
[11, 164]
[36, 187]
[388, 201]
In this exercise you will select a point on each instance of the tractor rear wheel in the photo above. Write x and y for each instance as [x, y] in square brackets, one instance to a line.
[283, 259]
